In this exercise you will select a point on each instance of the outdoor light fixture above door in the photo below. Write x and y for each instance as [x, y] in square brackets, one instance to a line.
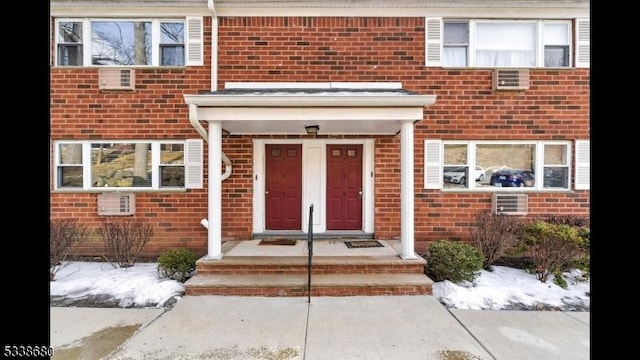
[312, 129]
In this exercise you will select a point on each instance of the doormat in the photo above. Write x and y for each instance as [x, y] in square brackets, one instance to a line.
[277, 242]
[363, 244]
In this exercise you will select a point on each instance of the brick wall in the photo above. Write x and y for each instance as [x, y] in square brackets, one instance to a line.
[556, 107]
[320, 49]
[290, 49]
[155, 110]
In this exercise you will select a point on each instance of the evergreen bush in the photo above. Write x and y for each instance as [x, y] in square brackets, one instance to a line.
[177, 264]
[453, 261]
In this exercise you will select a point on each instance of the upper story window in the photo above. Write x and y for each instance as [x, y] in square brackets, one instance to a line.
[69, 41]
[556, 45]
[125, 165]
[506, 43]
[128, 42]
[497, 165]
[172, 44]
[456, 43]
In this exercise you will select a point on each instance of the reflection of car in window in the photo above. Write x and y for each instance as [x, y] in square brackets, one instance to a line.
[555, 177]
[458, 175]
[479, 173]
[512, 178]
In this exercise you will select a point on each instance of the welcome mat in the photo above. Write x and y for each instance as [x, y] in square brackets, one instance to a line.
[363, 244]
[277, 242]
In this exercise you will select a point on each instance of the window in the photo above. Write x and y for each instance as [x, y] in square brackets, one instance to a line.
[172, 44]
[171, 165]
[505, 44]
[456, 43]
[125, 42]
[495, 165]
[69, 43]
[556, 45]
[501, 43]
[69, 161]
[556, 167]
[120, 43]
[123, 165]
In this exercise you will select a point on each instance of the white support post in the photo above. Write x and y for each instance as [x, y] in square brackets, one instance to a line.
[215, 191]
[406, 191]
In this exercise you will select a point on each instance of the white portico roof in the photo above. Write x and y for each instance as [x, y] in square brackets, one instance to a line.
[337, 110]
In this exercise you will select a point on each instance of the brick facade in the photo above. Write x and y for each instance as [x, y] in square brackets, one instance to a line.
[306, 49]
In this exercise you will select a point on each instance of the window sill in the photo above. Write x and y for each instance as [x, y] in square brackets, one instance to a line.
[127, 190]
[504, 189]
[507, 67]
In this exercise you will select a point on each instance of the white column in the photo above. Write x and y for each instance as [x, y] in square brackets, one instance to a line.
[214, 249]
[406, 190]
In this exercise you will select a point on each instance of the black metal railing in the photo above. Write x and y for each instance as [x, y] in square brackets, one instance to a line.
[310, 248]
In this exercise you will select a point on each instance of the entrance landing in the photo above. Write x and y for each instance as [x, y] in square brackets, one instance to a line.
[334, 247]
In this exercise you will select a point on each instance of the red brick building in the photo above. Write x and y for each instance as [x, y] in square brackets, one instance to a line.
[426, 112]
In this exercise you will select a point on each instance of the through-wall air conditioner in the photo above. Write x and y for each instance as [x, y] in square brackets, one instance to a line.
[509, 204]
[116, 204]
[116, 79]
[510, 79]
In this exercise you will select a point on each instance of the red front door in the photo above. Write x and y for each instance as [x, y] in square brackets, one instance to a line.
[283, 195]
[344, 187]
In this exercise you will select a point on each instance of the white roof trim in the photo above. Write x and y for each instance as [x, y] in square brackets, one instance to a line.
[347, 99]
[398, 3]
[383, 8]
[313, 85]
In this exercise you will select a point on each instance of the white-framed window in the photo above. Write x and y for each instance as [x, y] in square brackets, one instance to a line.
[497, 165]
[557, 44]
[129, 42]
[69, 39]
[456, 43]
[172, 44]
[128, 165]
[506, 43]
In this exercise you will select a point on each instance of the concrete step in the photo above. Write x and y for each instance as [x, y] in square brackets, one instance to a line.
[239, 265]
[370, 284]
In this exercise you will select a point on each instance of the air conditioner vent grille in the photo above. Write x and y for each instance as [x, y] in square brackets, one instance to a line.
[511, 79]
[117, 204]
[509, 204]
[116, 79]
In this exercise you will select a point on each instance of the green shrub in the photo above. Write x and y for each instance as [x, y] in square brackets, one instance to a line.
[177, 264]
[453, 261]
[559, 280]
[554, 246]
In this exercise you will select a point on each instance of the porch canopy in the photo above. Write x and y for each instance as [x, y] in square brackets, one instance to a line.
[288, 108]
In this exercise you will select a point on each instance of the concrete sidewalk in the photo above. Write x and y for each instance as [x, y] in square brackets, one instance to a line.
[282, 328]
